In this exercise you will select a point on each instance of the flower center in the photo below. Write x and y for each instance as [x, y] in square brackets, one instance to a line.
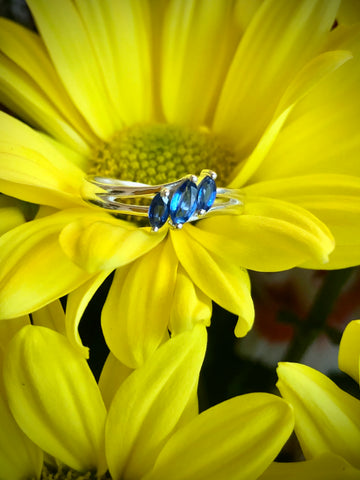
[65, 473]
[161, 153]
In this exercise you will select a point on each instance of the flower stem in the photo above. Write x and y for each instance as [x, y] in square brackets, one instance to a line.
[315, 322]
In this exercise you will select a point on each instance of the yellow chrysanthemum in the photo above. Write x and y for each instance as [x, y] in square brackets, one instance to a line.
[327, 419]
[152, 429]
[265, 93]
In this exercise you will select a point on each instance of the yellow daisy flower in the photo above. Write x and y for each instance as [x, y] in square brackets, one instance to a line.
[327, 419]
[151, 429]
[265, 94]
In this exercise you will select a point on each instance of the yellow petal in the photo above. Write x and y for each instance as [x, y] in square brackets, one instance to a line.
[19, 457]
[137, 310]
[189, 305]
[349, 350]
[71, 51]
[221, 279]
[51, 316]
[326, 418]
[193, 32]
[304, 81]
[333, 199]
[33, 170]
[77, 301]
[27, 51]
[280, 39]
[324, 467]
[159, 391]
[349, 12]
[121, 36]
[54, 398]
[270, 235]
[322, 132]
[100, 242]
[34, 269]
[8, 328]
[236, 439]
[112, 376]
[12, 213]
[23, 97]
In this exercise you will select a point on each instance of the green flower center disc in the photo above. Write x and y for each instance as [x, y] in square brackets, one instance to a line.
[161, 153]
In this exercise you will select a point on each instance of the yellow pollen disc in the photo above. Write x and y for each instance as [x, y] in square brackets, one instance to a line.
[161, 153]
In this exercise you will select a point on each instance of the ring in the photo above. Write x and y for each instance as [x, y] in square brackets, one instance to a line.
[188, 199]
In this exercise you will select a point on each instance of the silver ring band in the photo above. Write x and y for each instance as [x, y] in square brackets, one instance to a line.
[188, 199]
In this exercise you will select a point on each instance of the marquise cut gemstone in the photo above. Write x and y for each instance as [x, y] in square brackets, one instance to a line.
[158, 211]
[206, 194]
[183, 202]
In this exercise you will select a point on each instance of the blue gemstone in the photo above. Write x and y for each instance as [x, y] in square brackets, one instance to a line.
[158, 211]
[206, 194]
[183, 202]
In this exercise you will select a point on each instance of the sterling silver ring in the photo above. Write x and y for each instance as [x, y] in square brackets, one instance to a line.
[188, 199]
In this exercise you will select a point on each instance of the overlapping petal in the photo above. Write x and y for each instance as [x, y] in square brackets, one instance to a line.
[75, 60]
[321, 134]
[270, 235]
[112, 376]
[349, 350]
[136, 430]
[122, 38]
[136, 312]
[34, 267]
[40, 384]
[46, 103]
[32, 169]
[192, 32]
[327, 419]
[189, 305]
[280, 39]
[12, 213]
[51, 316]
[333, 199]
[77, 301]
[324, 467]
[238, 438]
[219, 278]
[101, 242]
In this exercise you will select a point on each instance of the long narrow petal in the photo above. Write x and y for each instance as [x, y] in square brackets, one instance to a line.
[55, 399]
[34, 269]
[270, 235]
[19, 457]
[349, 350]
[12, 213]
[51, 316]
[322, 132]
[122, 39]
[33, 170]
[189, 305]
[75, 60]
[136, 312]
[101, 242]
[333, 199]
[309, 76]
[221, 279]
[27, 51]
[238, 438]
[193, 31]
[8, 328]
[326, 418]
[77, 301]
[112, 376]
[325, 467]
[23, 97]
[150, 402]
[280, 39]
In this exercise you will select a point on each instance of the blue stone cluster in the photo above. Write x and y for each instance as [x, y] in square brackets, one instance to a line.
[182, 203]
